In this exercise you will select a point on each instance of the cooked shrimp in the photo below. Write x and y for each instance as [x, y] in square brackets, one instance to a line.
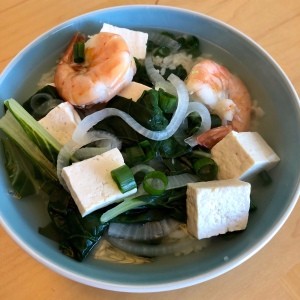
[223, 92]
[107, 68]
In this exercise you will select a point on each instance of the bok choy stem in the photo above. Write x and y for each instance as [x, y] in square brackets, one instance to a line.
[34, 130]
[10, 126]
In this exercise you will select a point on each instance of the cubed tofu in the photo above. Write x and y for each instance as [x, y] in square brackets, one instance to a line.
[216, 207]
[61, 122]
[242, 155]
[90, 182]
[133, 90]
[136, 40]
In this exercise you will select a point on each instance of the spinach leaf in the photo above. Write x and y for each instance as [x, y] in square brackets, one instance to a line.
[171, 204]
[141, 75]
[78, 235]
[152, 111]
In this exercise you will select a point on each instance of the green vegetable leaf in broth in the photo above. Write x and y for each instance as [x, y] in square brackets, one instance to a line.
[15, 132]
[35, 131]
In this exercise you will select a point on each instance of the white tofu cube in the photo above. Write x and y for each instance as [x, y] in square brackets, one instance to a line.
[242, 155]
[61, 122]
[136, 40]
[90, 182]
[216, 207]
[133, 90]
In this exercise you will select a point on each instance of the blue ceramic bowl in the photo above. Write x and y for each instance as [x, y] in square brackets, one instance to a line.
[280, 127]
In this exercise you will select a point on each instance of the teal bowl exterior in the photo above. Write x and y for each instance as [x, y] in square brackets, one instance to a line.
[280, 127]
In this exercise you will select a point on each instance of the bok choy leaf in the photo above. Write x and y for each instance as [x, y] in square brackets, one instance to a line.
[34, 130]
[28, 168]
[10, 126]
[26, 179]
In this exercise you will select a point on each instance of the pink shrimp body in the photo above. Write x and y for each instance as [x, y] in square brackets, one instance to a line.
[107, 69]
[223, 92]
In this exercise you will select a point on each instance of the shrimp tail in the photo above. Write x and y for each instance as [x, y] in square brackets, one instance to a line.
[211, 137]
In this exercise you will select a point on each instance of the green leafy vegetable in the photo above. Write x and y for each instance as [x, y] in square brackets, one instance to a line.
[26, 178]
[15, 132]
[77, 235]
[147, 208]
[141, 75]
[35, 131]
[179, 71]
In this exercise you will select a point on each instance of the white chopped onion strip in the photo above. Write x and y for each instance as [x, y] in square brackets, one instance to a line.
[182, 105]
[164, 40]
[156, 78]
[183, 245]
[204, 113]
[143, 232]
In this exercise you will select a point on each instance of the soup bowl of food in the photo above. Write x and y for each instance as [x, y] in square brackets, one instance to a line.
[147, 148]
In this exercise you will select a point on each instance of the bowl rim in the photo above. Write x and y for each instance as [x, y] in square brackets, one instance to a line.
[172, 285]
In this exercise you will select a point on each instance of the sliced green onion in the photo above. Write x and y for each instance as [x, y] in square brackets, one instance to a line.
[206, 168]
[142, 152]
[78, 52]
[199, 153]
[124, 206]
[155, 183]
[162, 51]
[124, 178]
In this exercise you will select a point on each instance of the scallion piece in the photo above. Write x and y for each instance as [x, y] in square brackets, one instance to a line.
[140, 153]
[155, 183]
[206, 168]
[78, 52]
[148, 150]
[124, 178]
[162, 51]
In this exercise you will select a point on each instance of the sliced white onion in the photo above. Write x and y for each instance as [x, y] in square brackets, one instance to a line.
[156, 78]
[204, 113]
[164, 40]
[143, 232]
[43, 108]
[182, 104]
[183, 244]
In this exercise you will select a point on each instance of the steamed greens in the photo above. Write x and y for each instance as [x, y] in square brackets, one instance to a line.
[27, 151]
[31, 167]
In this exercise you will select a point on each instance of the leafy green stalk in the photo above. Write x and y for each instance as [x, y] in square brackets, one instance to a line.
[35, 131]
[25, 178]
[147, 207]
[15, 132]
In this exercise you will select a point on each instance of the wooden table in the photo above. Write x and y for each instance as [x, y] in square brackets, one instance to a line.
[273, 273]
